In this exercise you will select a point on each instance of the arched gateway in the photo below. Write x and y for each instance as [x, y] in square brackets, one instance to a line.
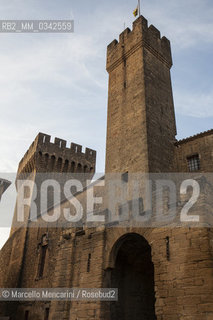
[133, 275]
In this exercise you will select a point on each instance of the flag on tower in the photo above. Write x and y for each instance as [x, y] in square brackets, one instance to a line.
[137, 10]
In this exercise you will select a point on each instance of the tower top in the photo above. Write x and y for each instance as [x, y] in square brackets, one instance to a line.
[43, 149]
[141, 125]
[130, 40]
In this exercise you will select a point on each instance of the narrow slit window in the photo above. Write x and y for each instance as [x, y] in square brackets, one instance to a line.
[42, 260]
[88, 262]
[43, 253]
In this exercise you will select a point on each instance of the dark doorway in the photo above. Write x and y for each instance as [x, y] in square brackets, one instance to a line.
[133, 275]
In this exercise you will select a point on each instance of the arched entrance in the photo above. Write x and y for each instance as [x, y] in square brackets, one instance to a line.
[133, 275]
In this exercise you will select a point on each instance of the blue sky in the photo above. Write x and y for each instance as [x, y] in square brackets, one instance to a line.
[57, 83]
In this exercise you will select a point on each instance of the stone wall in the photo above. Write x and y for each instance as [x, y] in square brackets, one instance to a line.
[201, 144]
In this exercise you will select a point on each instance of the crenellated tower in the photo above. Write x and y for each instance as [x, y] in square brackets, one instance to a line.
[46, 160]
[46, 156]
[141, 125]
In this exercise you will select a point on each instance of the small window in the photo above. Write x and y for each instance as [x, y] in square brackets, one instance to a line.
[42, 261]
[42, 256]
[88, 262]
[125, 177]
[193, 163]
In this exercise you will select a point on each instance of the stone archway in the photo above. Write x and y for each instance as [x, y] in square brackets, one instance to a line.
[133, 275]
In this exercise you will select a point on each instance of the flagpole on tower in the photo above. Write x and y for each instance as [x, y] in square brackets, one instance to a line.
[137, 11]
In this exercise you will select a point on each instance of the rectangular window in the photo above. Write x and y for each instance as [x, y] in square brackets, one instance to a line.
[193, 163]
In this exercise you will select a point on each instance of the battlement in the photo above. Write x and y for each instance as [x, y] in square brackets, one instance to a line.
[57, 151]
[59, 144]
[140, 35]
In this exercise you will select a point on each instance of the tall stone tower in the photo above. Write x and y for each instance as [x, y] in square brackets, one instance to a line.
[141, 122]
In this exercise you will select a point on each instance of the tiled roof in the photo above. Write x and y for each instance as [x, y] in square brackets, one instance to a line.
[199, 135]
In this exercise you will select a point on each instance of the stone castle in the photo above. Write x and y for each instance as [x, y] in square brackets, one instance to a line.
[163, 273]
